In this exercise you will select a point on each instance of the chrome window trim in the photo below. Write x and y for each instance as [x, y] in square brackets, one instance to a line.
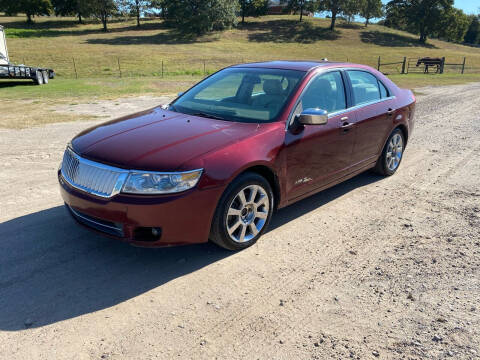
[359, 106]
[336, 113]
[124, 173]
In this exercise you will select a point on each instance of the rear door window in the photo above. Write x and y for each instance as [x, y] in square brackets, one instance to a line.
[365, 87]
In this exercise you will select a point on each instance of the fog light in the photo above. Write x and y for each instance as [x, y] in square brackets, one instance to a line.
[147, 234]
[156, 232]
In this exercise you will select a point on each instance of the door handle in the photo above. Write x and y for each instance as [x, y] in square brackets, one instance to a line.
[346, 125]
[390, 111]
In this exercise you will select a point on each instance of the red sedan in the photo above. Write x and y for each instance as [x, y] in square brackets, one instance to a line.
[216, 162]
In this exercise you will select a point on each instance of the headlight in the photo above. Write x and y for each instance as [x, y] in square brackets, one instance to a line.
[160, 183]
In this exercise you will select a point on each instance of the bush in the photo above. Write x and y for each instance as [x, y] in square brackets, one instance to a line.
[201, 16]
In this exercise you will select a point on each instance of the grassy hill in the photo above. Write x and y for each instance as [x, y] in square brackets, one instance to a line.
[55, 42]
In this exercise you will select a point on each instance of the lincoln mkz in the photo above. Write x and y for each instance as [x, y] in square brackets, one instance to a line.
[223, 156]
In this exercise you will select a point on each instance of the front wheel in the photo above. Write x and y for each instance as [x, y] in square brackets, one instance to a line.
[392, 154]
[243, 212]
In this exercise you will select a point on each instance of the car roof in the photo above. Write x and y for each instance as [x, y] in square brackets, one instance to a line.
[301, 65]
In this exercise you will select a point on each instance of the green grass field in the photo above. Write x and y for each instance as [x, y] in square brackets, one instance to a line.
[55, 42]
[58, 42]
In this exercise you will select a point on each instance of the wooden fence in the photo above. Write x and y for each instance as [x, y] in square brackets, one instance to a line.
[409, 65]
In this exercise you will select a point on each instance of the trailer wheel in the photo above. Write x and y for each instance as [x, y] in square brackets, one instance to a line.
[45, 76]
[38, 77]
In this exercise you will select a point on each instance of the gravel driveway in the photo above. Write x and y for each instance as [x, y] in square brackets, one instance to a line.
[372, 268]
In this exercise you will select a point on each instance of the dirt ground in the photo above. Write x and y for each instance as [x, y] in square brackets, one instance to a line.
[372, 268]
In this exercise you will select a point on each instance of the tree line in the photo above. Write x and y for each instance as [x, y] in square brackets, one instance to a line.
[432, 18]
[188, 15]
[427, 18]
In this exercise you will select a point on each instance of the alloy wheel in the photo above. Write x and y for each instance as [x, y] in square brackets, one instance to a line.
[394, 152]
[247, 213]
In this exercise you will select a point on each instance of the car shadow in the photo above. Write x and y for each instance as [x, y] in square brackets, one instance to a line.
[52, 269]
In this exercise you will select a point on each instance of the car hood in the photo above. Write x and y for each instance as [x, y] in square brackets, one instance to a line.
[157, 139]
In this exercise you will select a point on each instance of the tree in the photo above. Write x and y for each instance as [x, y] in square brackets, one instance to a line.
[351, 8]
[253, 8]
[395, 16]
[78, 8]
[135, 7]
[473, 32]
[101, 9]
[454, 25]
[201, 16]
[336, 7]
[301, 6]
[370, 9]
[28, 7]
[423, 17]
[159, 5]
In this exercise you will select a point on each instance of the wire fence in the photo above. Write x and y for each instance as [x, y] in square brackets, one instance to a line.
[115, 66]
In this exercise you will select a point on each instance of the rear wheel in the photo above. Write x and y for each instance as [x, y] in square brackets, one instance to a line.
[243, 212]
[38, 78]
[392, 154]
[45, 77]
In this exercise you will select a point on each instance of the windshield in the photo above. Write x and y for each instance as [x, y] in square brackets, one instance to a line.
[240, 94]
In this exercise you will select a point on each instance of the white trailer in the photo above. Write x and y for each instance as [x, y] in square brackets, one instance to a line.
[10, 71]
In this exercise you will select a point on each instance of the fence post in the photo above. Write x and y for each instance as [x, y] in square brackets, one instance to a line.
[162, 69]
[204, 68]
[75, 68]
[463, 65]
[119, 68]
[404, 64]
[442, 65]
[378, 65]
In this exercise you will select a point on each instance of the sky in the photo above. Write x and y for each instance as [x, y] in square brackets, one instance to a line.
[468, 6]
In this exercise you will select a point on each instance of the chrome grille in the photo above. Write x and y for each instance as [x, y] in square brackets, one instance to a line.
[92, 177]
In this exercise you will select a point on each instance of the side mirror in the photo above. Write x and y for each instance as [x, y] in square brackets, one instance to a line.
[181, 93]
[313, 117]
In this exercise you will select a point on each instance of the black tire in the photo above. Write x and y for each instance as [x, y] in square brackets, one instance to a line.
[219, 233]
[382, 167]
[45, 76]
[38, 77]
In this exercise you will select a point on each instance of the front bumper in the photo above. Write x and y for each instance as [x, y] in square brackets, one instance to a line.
[178, 219]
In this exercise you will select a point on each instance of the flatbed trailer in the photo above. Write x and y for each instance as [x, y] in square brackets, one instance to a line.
[11, 71]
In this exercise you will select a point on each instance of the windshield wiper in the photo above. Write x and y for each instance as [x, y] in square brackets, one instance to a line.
[205, 115]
